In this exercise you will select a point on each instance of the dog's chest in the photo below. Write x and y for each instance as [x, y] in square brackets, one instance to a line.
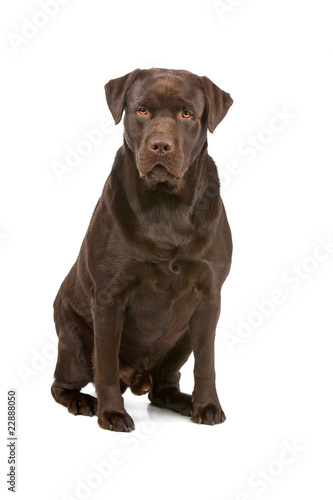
[170, 231]
[162, 299]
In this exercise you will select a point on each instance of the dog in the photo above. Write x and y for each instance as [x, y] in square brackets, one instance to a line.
[144, 291]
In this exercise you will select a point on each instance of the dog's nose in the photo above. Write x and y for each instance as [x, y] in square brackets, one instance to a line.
[160, 145]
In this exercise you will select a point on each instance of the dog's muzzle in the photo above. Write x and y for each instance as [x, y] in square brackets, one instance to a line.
[158, 173]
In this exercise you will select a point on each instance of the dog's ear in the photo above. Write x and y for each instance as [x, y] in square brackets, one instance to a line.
[115, 91]
[218, 103]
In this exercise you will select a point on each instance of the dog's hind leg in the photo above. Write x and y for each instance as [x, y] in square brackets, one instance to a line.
[74, 370]
[165, 391]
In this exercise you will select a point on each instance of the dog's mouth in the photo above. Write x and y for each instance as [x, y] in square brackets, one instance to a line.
[158, 173]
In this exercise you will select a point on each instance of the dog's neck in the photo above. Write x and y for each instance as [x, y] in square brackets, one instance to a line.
[189, 209]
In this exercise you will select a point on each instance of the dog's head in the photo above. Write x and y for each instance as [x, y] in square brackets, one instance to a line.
[167, 113]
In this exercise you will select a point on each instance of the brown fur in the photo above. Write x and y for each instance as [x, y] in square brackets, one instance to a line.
[145, 289]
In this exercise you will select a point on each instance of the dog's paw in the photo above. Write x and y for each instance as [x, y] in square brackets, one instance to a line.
[116, 421]
[181, 403]
[210, 414]
[83, 404]
[174, 400]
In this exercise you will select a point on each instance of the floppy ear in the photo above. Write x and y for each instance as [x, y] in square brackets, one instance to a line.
[115, 91]
[218, 103]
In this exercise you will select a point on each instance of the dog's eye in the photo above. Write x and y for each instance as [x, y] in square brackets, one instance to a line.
[186, 114]
[142, 111]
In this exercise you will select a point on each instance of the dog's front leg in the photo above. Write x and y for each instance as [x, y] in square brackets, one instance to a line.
[206, 405]
[108, 324]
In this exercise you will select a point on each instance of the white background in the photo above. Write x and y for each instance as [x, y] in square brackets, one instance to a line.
[275, 384]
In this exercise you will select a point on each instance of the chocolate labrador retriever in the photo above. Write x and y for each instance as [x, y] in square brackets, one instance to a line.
[145, 289]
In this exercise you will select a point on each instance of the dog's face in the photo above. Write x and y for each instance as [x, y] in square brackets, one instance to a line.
[164, 124]
[167, 113]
